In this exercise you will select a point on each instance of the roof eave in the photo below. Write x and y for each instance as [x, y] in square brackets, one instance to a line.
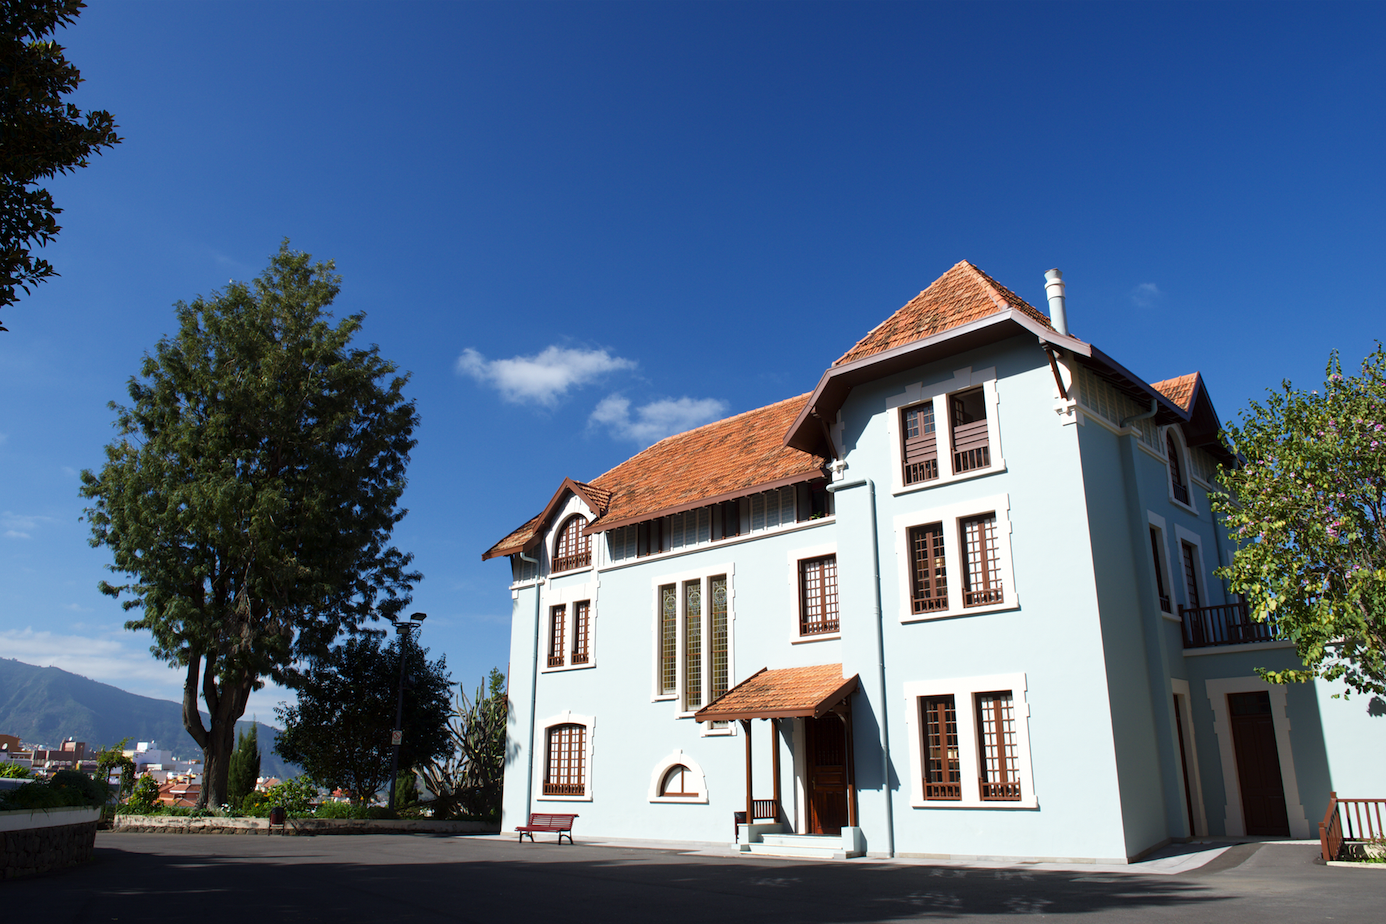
[601, 526]
[568, 485]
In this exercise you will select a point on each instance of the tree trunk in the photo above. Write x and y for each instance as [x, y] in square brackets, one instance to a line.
[224, 705]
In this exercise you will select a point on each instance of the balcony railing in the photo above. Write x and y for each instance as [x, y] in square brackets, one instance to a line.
[1225, 624]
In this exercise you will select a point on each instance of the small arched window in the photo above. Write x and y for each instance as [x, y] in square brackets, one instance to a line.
[1178, 482]
[679, 782]
[573, 549]
[565, 770]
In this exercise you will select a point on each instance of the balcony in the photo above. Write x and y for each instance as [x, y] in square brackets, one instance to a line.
[1227, 624]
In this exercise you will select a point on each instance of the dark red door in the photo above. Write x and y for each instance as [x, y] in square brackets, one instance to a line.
[825, 744]
[1258, 764]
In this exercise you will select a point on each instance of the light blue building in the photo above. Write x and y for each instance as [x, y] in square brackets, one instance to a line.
[957, 601]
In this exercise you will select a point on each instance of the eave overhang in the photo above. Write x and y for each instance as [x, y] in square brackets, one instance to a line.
[757, 697]
[594, 503]
[601, 526]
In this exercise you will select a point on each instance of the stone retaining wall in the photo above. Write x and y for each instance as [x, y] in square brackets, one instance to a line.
[44, 842]
[181, 824]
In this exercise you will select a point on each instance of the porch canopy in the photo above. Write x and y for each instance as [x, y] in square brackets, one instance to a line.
[789, 692]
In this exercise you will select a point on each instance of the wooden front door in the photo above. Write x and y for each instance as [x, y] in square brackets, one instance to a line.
[1258, 764]
[825, 746]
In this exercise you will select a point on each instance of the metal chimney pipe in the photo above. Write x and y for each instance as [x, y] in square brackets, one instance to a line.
[1054, 288]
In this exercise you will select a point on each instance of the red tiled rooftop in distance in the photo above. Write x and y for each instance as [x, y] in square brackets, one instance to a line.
[960, 296]
[1180, 389]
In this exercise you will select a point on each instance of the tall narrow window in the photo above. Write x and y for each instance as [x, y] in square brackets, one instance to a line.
[564, 769]
[693, 645]
[668, 639]
[557, 616]
[928, 577]
[573, 549]
[971, 448]
[1190, 575]
[981, 561]
[1000, 770]
[720, 638]
[942, 771]
[582, 631]
[818, 595]
[1160, 589]
[920, 443]
[1178, 483]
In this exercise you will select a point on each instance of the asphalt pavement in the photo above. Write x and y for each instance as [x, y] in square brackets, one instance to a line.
[208, 879]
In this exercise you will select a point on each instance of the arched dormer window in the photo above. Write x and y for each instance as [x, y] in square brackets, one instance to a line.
[1178, 480]
[572, 549]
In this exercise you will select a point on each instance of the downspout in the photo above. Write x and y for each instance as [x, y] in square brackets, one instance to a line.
[1154, 409]
[533, 690]
[833, 488]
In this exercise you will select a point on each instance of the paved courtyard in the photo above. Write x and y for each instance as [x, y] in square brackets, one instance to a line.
[201, 879]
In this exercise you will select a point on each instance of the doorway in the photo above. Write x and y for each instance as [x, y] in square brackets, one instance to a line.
[1258, 764]
[825, 752]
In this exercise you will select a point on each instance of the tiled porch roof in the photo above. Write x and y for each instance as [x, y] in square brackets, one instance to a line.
[783, 693]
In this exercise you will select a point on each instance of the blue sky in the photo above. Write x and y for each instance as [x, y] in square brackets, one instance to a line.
[581, 227]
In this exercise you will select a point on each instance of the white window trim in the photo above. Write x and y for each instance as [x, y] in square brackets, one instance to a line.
[938, 392]
[1182, 535]
[668, 763]
[1182, 451]
[792, 558]
[678, 580]
[1180, 688]
[964, 691]
[567, 597]
[1158, 522]
[950, 515]
[541, 753]
[573, 505]
[1234, 824]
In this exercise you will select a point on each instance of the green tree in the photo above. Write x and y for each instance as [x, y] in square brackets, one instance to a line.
[145, 795]
[40, 135]
[339, 730]
[245, 768]
[9, 770]
[467, 779]
[251, 492]
[1305, 508]
[111, 759]
[406, 789]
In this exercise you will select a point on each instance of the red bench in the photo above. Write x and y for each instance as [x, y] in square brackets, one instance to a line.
[559, 824]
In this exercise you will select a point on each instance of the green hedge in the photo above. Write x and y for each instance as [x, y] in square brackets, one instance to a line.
[66, 788]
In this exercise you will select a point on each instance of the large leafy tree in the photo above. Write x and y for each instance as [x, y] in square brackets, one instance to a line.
[1305, 509]
[339, 730]
[40, 134]
[467, 779]
[252, 490]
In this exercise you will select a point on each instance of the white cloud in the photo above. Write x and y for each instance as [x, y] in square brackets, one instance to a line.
[16, 534]
[656, 420]
[10, 520]
[542, 378]
[1145, 294]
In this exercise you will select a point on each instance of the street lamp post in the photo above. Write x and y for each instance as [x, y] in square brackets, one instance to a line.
[403, 627]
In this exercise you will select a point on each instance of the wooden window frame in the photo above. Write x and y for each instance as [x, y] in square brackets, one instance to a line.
[998, 592]
[694, 776]
[970, 440]
[928, 559]
[818, 596]
[557, 627]
[582, 632]
[1162, 590]
[571, 549]
[684, 775]
[942, 760]
[982, 583]
[942, 395]
[565, 757]
[919, 443]
[1177, 464]
[997, 757]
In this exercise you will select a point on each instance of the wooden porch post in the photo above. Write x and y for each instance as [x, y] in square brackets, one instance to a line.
[846, 716]
[750, 799]
[775, 762]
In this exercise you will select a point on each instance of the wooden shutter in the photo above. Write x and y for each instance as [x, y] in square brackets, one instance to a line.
[981, 561]
[1000, 762]
[971, 449]
[942, 772]
[920, 443]
[1190, 575]
[929, 591]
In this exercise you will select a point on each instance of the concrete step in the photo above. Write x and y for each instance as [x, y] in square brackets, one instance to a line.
[832, 841]
[824, 852]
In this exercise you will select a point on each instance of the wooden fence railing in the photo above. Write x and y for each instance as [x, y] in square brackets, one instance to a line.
[1349, 820]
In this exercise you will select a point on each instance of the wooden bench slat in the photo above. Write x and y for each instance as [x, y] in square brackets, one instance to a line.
[546, 821]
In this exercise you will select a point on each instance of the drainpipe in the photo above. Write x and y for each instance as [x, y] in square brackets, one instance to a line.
[833, 488]
[1154, 408]
[533, 690]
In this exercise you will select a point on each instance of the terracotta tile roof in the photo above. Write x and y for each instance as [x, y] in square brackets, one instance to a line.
[961, 295]
[1180, 389]
[718, 460]
[789, 691]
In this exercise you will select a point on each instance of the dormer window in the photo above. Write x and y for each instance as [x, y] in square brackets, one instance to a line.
[1178, 480]
[920, 443]
[573, 549]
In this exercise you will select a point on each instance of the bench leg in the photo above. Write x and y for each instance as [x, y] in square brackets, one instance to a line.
[560, 836]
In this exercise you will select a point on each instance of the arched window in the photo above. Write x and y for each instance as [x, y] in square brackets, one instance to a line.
[679, 782]
[573, 549]
[565, 770]
[1178, 482]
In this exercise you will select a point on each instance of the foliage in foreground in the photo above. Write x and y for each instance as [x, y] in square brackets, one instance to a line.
[1305, 509]
[250, 493]
[9, 770]
[65, 788]
[466, 781]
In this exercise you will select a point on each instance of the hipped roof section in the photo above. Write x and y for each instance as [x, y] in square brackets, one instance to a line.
[789, 692]
[719, 461]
